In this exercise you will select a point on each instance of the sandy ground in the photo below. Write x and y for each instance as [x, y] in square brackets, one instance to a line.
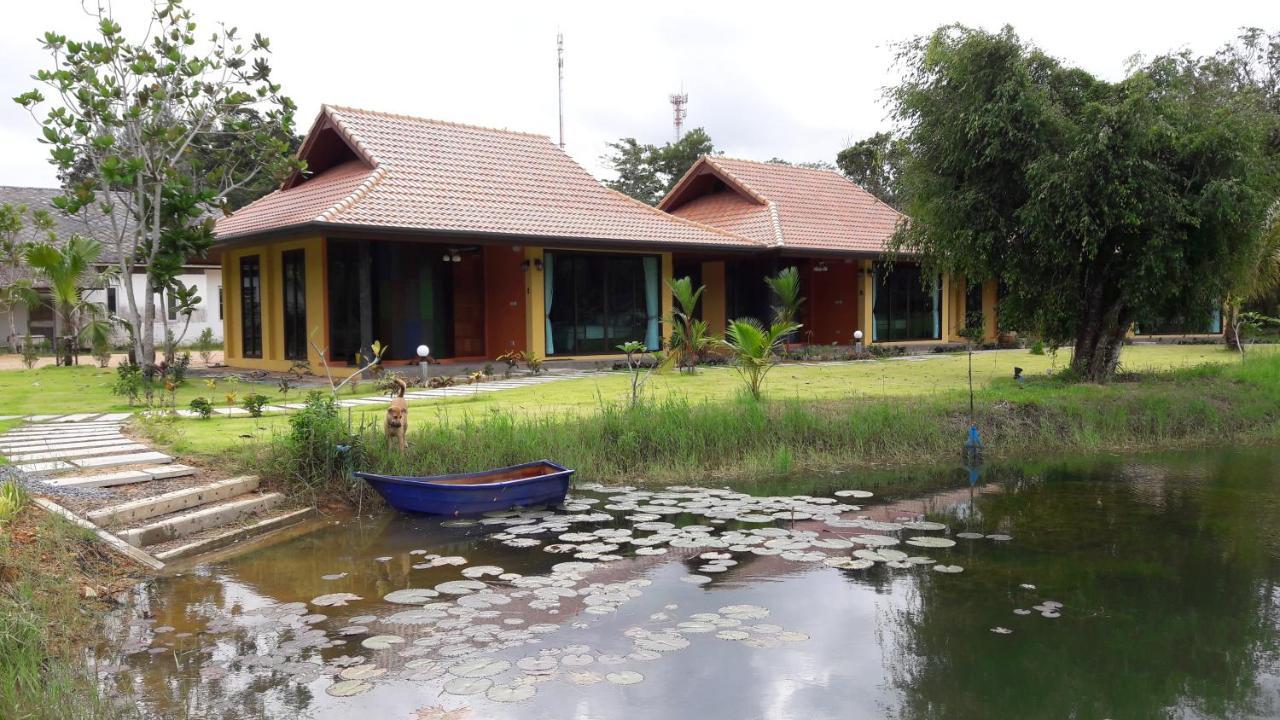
[10, 361]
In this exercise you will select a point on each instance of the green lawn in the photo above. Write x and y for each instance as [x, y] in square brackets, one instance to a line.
[85, 389]
[915, 376]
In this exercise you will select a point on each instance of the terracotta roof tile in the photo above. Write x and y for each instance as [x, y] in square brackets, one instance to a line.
[437, 176]
[802, 208]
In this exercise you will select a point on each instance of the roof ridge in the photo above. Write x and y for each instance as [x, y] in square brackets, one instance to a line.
[669, 216]
[755, 194]
[433, 121]
[777, 223]
[791, 166]
[354, 196]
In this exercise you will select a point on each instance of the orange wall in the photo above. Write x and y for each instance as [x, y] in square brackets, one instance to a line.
[504, 301]
[832, 303]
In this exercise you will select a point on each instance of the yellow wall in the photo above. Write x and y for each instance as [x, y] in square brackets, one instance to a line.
[713, 298]
[866, 298]
[535, 308]
[270, 265]
[990, 310]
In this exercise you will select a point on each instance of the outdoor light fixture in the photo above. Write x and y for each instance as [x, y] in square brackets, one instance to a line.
[457, 257]
[537, 264]
[857, 341]
[821, 267]
[423, 352]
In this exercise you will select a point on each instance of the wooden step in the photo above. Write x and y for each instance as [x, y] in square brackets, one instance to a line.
[235, 535]
[171, 502]
[204, 518]
[123, 477]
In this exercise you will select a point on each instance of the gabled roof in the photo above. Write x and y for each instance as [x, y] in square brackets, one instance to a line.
[376, 170]
[783, 206]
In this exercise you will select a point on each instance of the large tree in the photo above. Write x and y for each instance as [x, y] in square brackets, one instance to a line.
[1092, 201]
[647, 172]
[157, 132]
[875, 163]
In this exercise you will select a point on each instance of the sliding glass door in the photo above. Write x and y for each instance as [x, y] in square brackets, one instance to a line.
[905, 308]
[595, 302]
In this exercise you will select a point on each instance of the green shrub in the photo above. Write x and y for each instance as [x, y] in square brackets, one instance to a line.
[204, 345]
[320, 449]
[254, 404]
[30, 352]
[12, 498]
[128, 383]
[1037, 347]
[203, 407]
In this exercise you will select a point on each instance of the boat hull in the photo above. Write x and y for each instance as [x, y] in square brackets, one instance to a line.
[469, 493]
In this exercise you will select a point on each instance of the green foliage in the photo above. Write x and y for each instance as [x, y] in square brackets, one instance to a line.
[320, 450]
[202, 407]
[535, 364]
[12, 498]
[1094, 202]
[254, 404]
[755, 349]
[1037, 347]
[68, 268]
[157, 131]
[647, 172]
[635, 352]
[785, 287]
[176, 371]
[30, 351]
[690, 339]
[205, 345]
[874, 163]
[128, 382]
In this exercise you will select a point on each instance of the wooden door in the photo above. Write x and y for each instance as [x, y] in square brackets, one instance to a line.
[468, 305]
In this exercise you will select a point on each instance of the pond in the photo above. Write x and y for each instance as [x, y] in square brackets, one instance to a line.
[1136, 587]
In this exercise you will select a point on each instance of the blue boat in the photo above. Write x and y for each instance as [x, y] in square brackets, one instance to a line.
[541, 482]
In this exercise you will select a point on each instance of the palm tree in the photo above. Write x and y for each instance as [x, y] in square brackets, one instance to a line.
[69, 269]
[1260, 279]
[15, 222]
[755, 349]
[786, 290]
[689, 337]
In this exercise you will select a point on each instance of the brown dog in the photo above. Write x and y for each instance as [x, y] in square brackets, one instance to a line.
[397, 422]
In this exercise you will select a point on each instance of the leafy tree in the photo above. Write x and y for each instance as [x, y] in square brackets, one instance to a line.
[812, 165]
[875, 164]
[690, 339]
[19, 228]
[755, 349]
[162, 129]
[1094, 202]
[647, 172]
[69, 270]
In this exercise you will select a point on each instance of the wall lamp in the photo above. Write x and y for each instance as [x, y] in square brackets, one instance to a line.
[537, 265]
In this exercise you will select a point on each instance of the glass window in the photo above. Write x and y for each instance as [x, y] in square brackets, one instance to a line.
[1204, 323]
[170, 305]
[294, 282]
[973, 306]
[904, 308]
[219, 302]
[596, 302]
[250, 307]
[111, 300]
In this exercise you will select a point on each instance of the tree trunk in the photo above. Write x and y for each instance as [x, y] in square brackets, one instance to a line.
[1099, 340]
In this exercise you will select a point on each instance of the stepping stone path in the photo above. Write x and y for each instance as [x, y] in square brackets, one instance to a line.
[187, 514]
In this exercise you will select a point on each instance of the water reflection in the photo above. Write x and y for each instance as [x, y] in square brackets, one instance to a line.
[1167, 568]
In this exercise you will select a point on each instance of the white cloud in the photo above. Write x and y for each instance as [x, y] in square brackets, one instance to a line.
[795, 80]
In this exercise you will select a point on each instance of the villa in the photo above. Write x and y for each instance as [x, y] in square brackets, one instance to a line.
[478, 241]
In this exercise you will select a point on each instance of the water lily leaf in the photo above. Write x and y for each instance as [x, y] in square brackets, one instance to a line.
[948, 568]
[585, 678]
[515, 692]
[479, 571]
[347, 688]
[439, 712]
[335, 599]
[1021, 611]
[624, 677]
[696, 579]
[970, 535]
[928, 541]
[1001, 631]
[410, 596]
[732, 635]
[467, 686]
[1000, 537]
[362, 672]
[460, 587]
[381, 642]
[479, 667]
[335, 576]
[924, 525]
[854, 493]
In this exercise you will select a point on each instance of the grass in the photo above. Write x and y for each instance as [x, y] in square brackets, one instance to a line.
[44, 561]
[938, 376]
[680, 439]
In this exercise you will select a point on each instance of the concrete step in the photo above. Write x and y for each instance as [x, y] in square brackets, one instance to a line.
[130, 459]
[42, 432]
[43, 445]
[123, 477]
[171, 502]
[204, 518]
[235, 535]
[117, 449]
[44, 468]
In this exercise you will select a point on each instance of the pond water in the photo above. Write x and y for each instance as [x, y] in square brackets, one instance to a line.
[1141, 587]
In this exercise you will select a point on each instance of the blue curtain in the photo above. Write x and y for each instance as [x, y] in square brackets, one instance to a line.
[653, 306]
[548, 296]
[875, 321]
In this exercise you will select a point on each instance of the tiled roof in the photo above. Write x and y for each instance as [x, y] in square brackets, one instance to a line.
[786, 206]
[89, 222]
[434, 176]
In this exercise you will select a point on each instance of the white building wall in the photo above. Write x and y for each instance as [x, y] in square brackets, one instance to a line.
[208, 313]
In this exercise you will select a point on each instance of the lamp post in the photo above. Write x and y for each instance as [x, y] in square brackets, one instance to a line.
[423, 352]
[857, 341]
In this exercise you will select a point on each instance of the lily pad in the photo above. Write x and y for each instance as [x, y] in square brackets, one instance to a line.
[411, 596]
[515, 692]
[335, 599]
[382, 642]
[347, 688]
[334, 576]
[1001, 631]
[460, 587]
[479, 667]
[479, 571]
[929, 541]
[624, 677]
[854, 493]
[951, 569]
[362, 672]
[467, 686]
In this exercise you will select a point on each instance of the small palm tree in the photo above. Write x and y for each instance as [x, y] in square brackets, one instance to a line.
[786, 292]
[689, 337]
[69, 269]
[755, 349]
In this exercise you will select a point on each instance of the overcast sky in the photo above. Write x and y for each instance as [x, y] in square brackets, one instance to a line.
[794, 80]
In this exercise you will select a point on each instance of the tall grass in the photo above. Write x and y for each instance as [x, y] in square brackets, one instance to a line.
[675, 440]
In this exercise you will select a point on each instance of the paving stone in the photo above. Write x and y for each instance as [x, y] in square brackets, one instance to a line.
[62, 444]
[201, 519]
[44, 467]
[123, 477]
[77, 453]
[182, 499]
[131, 459]
[116, 417]
[173, 470]
[76, 418]
[42, 418]
[231, 411]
